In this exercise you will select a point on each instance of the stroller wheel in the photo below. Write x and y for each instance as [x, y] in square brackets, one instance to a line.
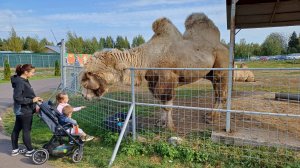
[76, 156]
[40, 156]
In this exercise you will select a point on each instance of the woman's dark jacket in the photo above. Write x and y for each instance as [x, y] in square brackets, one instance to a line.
[23, 96]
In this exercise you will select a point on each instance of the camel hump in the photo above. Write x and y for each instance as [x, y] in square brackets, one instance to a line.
[163, 27]
[199, 26]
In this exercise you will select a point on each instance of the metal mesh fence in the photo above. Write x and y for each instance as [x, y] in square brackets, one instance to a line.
[43, 60]
[263, 125]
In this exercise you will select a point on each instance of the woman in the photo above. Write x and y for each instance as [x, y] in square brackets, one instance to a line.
[24, 107]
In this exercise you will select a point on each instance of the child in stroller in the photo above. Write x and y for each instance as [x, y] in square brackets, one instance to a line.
[62, 142]
[66, 118]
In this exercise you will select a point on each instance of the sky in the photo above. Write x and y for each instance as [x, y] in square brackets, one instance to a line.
[101, 18]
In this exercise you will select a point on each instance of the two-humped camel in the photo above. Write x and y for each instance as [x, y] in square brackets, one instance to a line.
[198, 47]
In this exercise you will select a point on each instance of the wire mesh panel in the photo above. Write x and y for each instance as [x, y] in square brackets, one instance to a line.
[36, 59]
[189, 108]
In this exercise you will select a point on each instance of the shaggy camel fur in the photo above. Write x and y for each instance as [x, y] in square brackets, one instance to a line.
[243, 75]
[198, 47]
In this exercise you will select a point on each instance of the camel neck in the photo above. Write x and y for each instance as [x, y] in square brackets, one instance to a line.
[132, 57]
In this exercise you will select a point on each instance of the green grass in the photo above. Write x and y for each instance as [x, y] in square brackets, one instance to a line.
[197, 150]
[273, 64]
[40, 73]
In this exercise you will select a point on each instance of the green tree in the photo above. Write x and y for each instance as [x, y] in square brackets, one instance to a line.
[274, 44]
[27, 43]
[1, 44]
[44, 42]
[293, 44]
[90, 46]
[127, 44]
[36, 46]
[95, 44]
[138, 40]
[74, 43]
[255, 49]
[109, 42]
[57, 69]
[120, 42]
[14, 43]
[245, 50]
[241, 49]
[101, 43]
[7, 72]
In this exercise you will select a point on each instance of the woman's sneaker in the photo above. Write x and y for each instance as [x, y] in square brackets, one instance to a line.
[15, 152]
[22, 151]
[18, 151]
[29, 153]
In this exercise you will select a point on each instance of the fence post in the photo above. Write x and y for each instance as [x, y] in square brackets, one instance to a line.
[132, 75]
[75, 78]
[62, 64]
[31, 59]
[231, 53]
[113, 157]
[43, 61]
[7, 60]
[48, 61]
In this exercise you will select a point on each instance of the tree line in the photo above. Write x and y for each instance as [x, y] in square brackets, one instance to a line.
[17, 44]
[77, 44]
[274, 44]
[74, 43]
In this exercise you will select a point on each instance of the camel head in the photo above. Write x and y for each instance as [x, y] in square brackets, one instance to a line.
[99, 73]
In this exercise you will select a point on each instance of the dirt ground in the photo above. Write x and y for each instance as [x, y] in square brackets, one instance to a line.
[258, 97]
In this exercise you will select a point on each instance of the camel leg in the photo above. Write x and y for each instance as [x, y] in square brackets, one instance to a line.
[163, 118]
[220, 87]
[166, 119]
[219, 82]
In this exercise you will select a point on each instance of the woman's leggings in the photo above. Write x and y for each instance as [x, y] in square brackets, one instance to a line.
[22, 123]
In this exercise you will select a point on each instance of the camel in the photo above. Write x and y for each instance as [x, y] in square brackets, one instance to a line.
[198, 47]
[243, 75]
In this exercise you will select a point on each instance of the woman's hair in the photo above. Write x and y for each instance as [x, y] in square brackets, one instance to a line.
[60, 97]
[20, 69]
[67, 110]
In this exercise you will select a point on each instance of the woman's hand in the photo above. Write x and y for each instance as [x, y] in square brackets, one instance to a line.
[36, 99]
[82, 107]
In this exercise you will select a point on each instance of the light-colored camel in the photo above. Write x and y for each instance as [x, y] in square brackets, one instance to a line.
[243, 75]
[198, 47]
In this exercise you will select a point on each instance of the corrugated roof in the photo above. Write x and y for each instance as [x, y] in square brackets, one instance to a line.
[265, 13]
[53, 48]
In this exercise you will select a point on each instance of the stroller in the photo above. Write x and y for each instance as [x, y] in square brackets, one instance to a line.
[62, 142]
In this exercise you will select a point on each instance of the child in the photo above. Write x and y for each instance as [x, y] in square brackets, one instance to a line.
[62, 99]
[67, 118]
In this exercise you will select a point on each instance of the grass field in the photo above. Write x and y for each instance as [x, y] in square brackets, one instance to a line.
[273, 64]
[197, 150]
[40, 73]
